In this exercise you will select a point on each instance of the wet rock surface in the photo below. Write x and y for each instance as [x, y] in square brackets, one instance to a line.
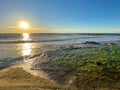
[63, 75]
[87, 82]
[91, 42]
[111, 44]
[70, 48]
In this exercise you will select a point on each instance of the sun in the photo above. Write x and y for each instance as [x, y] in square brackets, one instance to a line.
[24, 25]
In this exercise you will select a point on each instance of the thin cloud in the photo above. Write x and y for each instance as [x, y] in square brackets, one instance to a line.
[17, 29]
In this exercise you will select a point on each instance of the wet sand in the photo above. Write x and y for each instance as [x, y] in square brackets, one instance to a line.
[15, 78]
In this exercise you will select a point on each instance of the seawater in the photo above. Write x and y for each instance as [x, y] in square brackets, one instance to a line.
[24, 44]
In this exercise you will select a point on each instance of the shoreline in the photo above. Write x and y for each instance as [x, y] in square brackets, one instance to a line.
[9, 81]
[90, 68]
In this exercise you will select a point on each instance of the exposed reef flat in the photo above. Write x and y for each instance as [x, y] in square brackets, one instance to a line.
[87, 66]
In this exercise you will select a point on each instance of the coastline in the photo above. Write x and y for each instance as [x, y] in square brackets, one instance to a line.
[88, 68]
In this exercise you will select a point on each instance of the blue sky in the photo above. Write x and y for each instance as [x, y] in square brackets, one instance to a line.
[61, 15]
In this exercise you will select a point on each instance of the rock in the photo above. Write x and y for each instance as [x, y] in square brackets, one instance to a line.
[111, 44]
[71, 48]
[91, 42]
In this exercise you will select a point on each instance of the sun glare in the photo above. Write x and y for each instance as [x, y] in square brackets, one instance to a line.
[26, 36]
[26, 49]
[24, 25]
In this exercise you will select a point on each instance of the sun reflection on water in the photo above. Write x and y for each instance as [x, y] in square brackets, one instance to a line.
[26, 36]
[26, 47]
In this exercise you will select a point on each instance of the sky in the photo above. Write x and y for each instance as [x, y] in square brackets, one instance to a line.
[60, 16]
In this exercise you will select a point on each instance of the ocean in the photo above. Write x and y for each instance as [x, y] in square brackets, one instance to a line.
[25, 44]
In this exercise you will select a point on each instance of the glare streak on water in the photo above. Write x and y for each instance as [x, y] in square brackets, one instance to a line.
[26, 36]
[27, 49]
